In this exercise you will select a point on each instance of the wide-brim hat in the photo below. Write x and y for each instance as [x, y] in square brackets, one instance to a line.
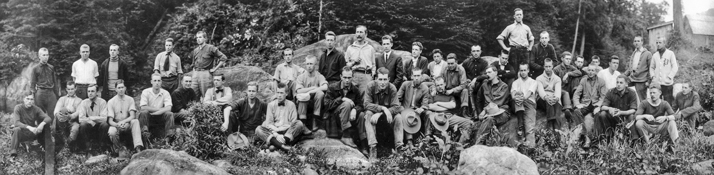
[237, 141]
[411, 122]
[493, 110]
[439, 121]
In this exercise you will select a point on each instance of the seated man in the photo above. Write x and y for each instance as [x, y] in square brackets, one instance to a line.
[686, 103]
[92, 117]
[182, 97]
[550, 93]
[588, 98]
[344, 100]
[655, 116]
[506, 72]
[155, 104]
[568, 72]
[121, 114]
[244, 115]
[380, 100]
[66, 114]
[415, 95]
[30, 123]
[218, 95]
[310, 87]
[455, 79]
[439, 112]
[281, 126]
[524, 91]
[495, 93]
[619, 105]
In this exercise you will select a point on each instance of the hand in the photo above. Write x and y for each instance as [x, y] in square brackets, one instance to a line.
[648, 117]
[565, 78]
[155, 113]
[388, 114]
[353, 115]
[507, 49]
[419, 110]
[224, 127]
[345, 99]
[212, 70]
[529, 49]
[280, 138]
[449, 92]
[661, 119]
[375, 118]
[32, 129]
[580, 106]
[124, 125]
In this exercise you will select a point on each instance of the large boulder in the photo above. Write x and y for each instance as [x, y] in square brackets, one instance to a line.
[336, 153]
[705, 167]
[709, 128]
[11, 94]
[481, 159]
[168, 162]
[238, 76]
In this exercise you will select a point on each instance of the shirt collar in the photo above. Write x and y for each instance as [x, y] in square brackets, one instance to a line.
[621, 92]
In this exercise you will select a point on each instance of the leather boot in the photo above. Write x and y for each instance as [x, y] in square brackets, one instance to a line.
[372, 153]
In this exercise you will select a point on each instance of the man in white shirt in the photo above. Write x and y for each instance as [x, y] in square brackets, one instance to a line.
[155, 104]
[360, 56]
[524, 91]
[168, 64]
[84, 71]
[610, 74]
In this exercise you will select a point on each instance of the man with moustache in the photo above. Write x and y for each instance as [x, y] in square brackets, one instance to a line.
[360, 56]
[84, 71]
[332, 61]
[111, 70]
[168, 64]
[392, 62]
[206, 60]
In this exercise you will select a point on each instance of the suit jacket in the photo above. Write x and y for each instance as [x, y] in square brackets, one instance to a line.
[422, 63]
[394, 65]
[333, 97]
[103, 78]
[506, 74]
[641, 73]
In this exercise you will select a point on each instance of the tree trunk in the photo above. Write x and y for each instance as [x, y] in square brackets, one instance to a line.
[582, 45]
[148, 39]
[577, 25]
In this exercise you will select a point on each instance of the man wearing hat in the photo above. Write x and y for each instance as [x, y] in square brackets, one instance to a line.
[344, 100]
[441, 116]
[587, 99]
[414, 95]
[494, 93]
[380, 100]
[655, 116]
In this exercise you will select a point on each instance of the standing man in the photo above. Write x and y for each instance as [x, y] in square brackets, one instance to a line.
[111, 71]
[287, 72]
[663, 69]
[417, 60]
[182, 97]
[360, 55]
[332, 61]
[520, 39]
[540, 53]
[218, 95]
[204, 59]
[66, 114]
[168, 65]
[639, 70]
[121, 114]
[550, 92]
[244, 115]
[494, 93]
[281, 126]
[437, 66]
[687, 107]
[92, 118]
[30, 124]
[381, 100]
[310, 88]
[415, 95]
[392, 62]
[344, 100]
[84, 71]
[655, 116]
[524, 91]
[619, 105]
[588, 98]
[155, 104]
[455, 85]
[610, 74]
[44, 84]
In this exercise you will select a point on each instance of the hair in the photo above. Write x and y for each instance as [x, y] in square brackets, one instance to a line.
[388, 37]
[252, 83]
[169, 40]
[92, 85]
[44, 50]
[84, 46]
[155, 75]
[70, 83]
[627, 80]
[201, 33]
[640, 36]
[27, 94]
[451, 56]
[435, 51]
[579, 56]
[347, 69]
[417, 69]
[287, 49]
[594, 57]
[114, 45]
[438, 78]
[421, 47]
[383, 71]
[614, 57]
[475, 45]
[547, 60]
[223, 78]
[544, 33]
[517, 9]
[521, 64]
[186, 75]
[282, 86]
[566, 53]
[492, 67]
[504, 51]
[362, 26]
[309, 57]
[119, 81]
[329, 33]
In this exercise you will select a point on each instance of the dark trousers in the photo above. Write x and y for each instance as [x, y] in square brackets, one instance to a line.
[170, 83]
[146, 120]
[98, 133]
[641, 89]
[23, 134]
[507, 127]
[554, 114]
[667, 93]
[518, 55]
[81, 91]
[46, 99]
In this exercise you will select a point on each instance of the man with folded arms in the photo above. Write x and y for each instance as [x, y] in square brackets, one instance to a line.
[619, 105]
[244, 115]
[440, 111]
[30, 123]
[380, 100]
[218, 95]
[686, 103]
[281, 126]
[92, 117]
[155, 104]
[494, 93]
[655, 116]
[121, 114]
[344, 100]
[310, 87]
[66, 114]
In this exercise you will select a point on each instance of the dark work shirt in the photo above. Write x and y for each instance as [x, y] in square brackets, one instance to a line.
[662, 109]
[494, 93]
[474, 67]
[540, 53]
[375, 97]
[335, 93]
[31, 116]
[181, 97]
[206, 56]
[249, 117]
[331, 65]
[508, 73]
[44, 77]
[622, 100]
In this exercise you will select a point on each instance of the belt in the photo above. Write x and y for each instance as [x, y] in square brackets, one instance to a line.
[201, 69]
[44, 88]
[79, 84]
[518, 47]
[363, 71]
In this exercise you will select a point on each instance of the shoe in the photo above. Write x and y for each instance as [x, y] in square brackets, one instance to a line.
[372, 153]
[587, 142]
[13, 153]
[466, 112]
[348, 142]
[364, 152]
[139, 148]
[146, 134]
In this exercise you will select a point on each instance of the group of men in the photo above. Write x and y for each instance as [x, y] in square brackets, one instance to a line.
[360, 90]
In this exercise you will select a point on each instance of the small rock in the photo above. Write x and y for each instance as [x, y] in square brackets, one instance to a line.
[96, 159]
[709, 128]
[309, 171]
[223, 164]
[480, 159]
[705, 167]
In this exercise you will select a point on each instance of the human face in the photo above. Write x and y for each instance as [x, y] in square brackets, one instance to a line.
[548, 67]
[186, 82]
[595, 62]
[251, 92]
[621, 84]
[113, 52]
[592, 71]
[504, 58]
[71, 89]
[387, 44]
[638, 42]
[491, 74]
[92, 92]
[437, 57]
[523, 71]
[579, 62]
[686, 88]
[451, 64]
[310, 64]
[169, 46]
[121, 89]
[614, 63]
[416, 51]
[200, 39]
[361, 33]
[655, 94]
[567, 59]
[280, 94]
[28, 101]
[476, 51]
[544, 38]
[416, 76]
[346, 77]
[382, 81]
[330, 40]
[518, 16]
[217, 81]
[84, 52]
[660, 43]
[156, 82]
[440, 85]
[44, 56]
[288, 56]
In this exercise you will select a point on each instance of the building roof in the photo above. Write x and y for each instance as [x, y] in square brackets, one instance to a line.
[700, 24]
[659, 25]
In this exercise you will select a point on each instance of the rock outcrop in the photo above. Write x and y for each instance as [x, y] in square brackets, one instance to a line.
[10, 94]
[168, 162]
[336, 153]
[708, 128]
[481, 159]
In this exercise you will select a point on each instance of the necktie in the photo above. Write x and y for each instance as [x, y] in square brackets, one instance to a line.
[386, 57]
[92, 106]
[167, 63]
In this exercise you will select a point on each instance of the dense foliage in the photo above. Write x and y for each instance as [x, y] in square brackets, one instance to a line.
[202, 137]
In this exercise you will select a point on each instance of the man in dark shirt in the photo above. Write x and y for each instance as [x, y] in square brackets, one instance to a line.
[27, 116]
[181, 98]
[343, 101]
[204, 58]
[686, 104]
[655, 116]
[506, 72]
[619, 105]
[381, 100]
[391, 61]
[494, 93]
[568, 72]
[540, 53]
[44, 84]
[332, 61]
[474, 65]
[440, 115]
[110, 71]
[246, 114]
[456, 85]
[417, 60]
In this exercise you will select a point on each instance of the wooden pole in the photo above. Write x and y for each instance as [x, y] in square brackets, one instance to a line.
[582, 45]
[577, 24]
[319, 23]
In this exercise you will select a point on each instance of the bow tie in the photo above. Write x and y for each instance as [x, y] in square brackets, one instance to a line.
[282, 103]
[71, 96]
[219, 90]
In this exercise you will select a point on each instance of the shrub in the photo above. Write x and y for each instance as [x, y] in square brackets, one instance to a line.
[202, 137]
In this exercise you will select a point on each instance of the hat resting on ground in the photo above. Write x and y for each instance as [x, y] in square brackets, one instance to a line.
[237, 141]
[411, 122]
[439, 121]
